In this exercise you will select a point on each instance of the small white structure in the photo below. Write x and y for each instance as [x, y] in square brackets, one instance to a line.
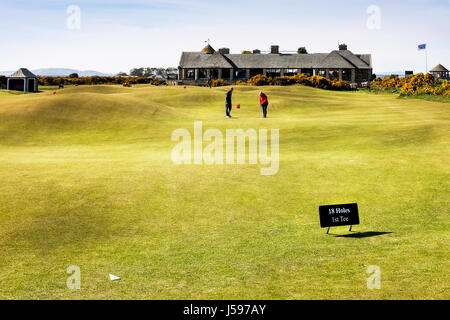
[440, 72]
[22, 80]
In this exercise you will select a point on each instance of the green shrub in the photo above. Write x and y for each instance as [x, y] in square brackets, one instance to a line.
[94, 80]
[157, 82]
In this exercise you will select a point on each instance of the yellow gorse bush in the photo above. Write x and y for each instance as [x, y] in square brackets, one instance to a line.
[219, 83]
[313, 81]
[414, 85]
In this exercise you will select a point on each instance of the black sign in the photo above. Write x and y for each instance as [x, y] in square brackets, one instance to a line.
[339, 215]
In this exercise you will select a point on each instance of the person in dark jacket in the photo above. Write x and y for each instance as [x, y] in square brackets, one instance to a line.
[264, 102]
[210, 82]
[228, 103]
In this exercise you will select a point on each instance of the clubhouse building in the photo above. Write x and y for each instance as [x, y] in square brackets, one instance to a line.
[197, 67]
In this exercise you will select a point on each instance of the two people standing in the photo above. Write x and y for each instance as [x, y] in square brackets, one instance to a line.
[263, 101]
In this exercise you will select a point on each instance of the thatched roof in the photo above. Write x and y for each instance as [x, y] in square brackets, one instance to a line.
[23, 73]
[336, 59]
[439, 68]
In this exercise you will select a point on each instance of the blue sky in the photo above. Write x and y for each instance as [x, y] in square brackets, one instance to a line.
[118, 35]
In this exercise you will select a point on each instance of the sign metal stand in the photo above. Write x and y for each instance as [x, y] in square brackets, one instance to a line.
[339, 215]
[328, 230]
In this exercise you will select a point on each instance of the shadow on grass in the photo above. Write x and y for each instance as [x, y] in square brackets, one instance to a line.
[359, 235]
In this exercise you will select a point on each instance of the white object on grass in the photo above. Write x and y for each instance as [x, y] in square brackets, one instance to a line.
[113, 277]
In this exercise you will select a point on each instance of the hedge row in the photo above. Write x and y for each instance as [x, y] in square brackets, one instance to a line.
[51, 81]
[217, 83]
[312, 81]
[414, 85]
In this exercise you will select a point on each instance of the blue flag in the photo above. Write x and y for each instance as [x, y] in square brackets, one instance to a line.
[422, 46]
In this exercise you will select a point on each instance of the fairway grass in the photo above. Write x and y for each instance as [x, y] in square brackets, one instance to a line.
[86, 179]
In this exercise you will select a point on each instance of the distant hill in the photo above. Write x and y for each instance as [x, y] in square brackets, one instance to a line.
[61, 72]
[389, 73]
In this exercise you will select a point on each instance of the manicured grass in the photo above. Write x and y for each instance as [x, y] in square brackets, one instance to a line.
[395, 92]
[4, 92]
[50, 88]
[41, 89]
[430, 98]
[87, 180]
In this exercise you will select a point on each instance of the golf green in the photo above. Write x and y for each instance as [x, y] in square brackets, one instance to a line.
[87, 180]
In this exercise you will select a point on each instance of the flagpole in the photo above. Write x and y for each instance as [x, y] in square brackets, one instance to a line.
[425, 47]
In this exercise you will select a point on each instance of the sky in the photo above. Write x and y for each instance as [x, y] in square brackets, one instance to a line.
[111, 36]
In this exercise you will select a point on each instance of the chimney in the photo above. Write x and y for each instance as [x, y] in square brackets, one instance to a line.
[256, 51]
[275, 49]
[224, 50]
[343, 47]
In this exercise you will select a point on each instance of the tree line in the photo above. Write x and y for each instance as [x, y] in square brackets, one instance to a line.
[151, 72]
[55, 81]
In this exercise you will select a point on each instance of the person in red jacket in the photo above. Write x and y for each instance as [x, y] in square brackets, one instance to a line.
[264, 102]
